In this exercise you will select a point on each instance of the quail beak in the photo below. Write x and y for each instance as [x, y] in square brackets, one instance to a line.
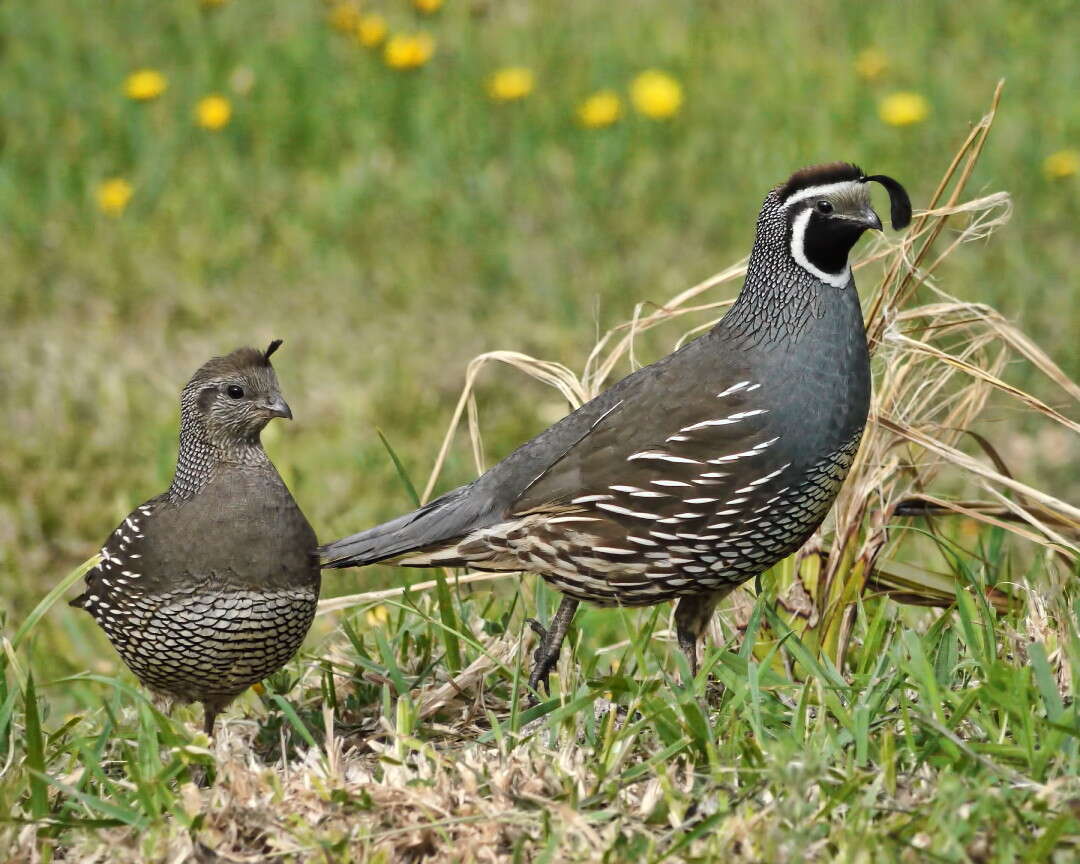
[278, 407]
[870, 219]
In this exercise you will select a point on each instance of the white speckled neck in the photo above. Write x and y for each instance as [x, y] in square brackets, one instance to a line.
[200, 453]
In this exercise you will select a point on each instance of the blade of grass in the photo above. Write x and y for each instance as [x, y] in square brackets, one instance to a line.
[126, 815]
[450, 622]
[50, 599]
[1044, 681]
[35, 752]
[403, 475]
[752, 627]
[794, 646]
[392, 669]
[294, 719]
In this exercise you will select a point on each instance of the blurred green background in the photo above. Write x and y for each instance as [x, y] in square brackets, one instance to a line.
[392, 223]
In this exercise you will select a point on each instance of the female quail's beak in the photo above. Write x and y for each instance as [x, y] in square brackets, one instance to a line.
[278, 407]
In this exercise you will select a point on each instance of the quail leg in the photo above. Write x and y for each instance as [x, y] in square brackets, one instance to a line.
[202, 775]
[692, 616]
[211, 709]
[547, 653]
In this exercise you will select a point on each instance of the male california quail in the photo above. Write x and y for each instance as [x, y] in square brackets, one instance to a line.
[696, 473]
[208, 588]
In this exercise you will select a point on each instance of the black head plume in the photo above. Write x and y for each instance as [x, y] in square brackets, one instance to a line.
[277, 342]
[899, 202]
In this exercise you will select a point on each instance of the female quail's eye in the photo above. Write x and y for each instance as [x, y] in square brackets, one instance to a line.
[235, 391]
[824, 206]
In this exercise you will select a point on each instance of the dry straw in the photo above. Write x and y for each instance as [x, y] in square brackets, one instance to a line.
[936, 365]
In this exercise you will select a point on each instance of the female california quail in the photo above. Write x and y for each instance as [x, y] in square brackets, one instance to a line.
[211, 586]
[696, 473]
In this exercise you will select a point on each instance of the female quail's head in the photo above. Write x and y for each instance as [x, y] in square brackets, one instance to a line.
[232, 398]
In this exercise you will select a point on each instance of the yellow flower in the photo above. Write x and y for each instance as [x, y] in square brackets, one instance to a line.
[1064, 163]
[903, 109]
[871, 64]
[344, 17]
[601, 109]
[428, 7]
[259, 687]
[213, 112]
[371, 30]
[377, 616]
[409, 52]
[656, 94]
[113, 196]
[510, 84]
[144, 85]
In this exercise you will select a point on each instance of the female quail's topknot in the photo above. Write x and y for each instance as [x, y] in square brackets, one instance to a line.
[211, 586]
[272, 348]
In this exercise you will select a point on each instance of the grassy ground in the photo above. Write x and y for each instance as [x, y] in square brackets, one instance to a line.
[390, 225]
[946, 743]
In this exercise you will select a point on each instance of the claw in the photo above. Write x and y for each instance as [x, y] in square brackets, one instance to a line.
[546, 654]
[537, 628]
[542, 663]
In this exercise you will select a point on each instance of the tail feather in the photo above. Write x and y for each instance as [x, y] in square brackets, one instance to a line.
[442, 521]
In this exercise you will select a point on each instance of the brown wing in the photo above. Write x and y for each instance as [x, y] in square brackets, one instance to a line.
[679, 457]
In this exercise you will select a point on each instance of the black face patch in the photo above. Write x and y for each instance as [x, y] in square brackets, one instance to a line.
[828, 240]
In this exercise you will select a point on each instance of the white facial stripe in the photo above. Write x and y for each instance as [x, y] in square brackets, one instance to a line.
[798, 252]
[823, 190]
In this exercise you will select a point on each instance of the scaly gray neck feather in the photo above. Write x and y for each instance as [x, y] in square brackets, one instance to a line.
[778, 297]
[202, 453]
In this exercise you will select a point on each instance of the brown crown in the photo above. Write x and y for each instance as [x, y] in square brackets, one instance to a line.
[819, 175]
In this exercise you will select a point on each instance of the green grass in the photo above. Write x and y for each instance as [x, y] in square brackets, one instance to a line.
[390, 226]
[947, 742]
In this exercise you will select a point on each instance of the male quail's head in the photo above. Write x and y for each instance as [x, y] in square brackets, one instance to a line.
[825, 209]
[233, 397]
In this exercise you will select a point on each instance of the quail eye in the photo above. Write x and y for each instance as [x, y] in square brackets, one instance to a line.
[235, 391]
[824, 206]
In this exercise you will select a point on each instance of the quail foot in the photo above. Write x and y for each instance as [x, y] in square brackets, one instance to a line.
[699, 472]
[211, 586]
